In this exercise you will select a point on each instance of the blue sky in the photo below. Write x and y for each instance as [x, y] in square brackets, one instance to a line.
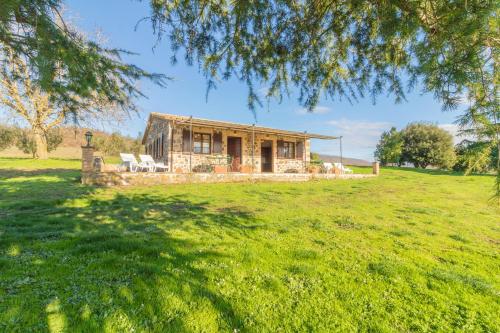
[360, 124]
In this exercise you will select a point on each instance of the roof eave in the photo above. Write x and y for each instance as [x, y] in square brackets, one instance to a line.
[234, 126]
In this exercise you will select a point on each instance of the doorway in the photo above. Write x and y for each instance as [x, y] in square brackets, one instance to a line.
[234, 151]
[266, 156]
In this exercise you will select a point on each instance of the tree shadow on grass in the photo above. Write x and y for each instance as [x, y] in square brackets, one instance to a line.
[59, 172]
[37, 191]
[131, 261]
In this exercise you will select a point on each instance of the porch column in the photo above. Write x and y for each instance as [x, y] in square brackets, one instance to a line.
[172, 127]
[253, 146]
[190, 143]
[341, 159]
[304, 153]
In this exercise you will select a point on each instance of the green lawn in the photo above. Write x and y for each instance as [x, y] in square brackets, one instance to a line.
[407, 251]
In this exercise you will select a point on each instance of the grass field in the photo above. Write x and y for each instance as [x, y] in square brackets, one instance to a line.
[407, 251]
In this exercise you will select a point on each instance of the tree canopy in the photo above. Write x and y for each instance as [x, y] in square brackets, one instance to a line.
[475, 156]
[427, 144]
[341, 48]
[62, 62]
[389, 148]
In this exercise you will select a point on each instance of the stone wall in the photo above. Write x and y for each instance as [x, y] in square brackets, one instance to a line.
[152, 178]
[159, 127]
[181, 160]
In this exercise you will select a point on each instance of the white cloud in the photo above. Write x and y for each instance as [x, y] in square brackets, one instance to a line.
[359, 133]
[454, 130]
[317, 110]
[359, 140]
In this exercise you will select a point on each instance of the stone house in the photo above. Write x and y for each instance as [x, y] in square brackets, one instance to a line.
[188, 144]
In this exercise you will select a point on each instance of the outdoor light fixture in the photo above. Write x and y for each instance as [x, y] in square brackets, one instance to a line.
[88, 137]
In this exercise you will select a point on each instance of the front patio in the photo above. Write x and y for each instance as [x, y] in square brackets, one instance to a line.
[117, 178]
[96, 172]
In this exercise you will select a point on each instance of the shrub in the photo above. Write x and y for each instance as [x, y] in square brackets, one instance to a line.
[26, 142]
[136, 146]
[315, 157]
[203, 168]
[111, 145]
[7, 137]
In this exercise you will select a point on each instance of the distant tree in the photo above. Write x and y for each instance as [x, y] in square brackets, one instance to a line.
[7, 137]
[27, 142]
[136, 146]
[99, 143]
[315, 157]
[111, 145]
[390, 147]
[115, 144]
[427, 144]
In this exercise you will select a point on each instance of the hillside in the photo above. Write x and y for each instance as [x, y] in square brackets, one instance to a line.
[346, 160]
[73, 139]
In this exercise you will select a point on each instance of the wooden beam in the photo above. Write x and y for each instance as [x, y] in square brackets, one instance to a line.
[190, 143]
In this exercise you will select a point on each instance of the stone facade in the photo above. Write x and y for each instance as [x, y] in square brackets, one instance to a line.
[183, 162]
[87, 159]
[376, 168]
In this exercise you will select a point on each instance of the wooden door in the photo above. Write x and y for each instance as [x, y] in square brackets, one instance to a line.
[234, 151]
[266, 156]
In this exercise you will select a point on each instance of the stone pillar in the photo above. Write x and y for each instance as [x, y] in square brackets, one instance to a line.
[87, 159]
[376, 168]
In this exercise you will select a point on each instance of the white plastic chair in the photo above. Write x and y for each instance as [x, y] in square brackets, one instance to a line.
[131, 163]
[328, 166]
[151, 164]
[342, 168]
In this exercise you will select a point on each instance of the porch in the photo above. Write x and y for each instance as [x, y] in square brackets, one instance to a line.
[188, 144]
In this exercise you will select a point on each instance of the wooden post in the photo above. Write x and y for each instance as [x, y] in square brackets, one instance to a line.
[190, 143]
[253, 146]
[341, 157]
[376, 168]
[304, 153]
[172, 128]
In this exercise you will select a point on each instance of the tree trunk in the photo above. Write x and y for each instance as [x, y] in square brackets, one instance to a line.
[41, 145]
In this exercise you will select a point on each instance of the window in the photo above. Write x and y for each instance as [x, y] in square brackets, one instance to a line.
[286, 149]
[162, 143]
[217, 149]
[157, 155]
[154, 148]
[201, 143]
